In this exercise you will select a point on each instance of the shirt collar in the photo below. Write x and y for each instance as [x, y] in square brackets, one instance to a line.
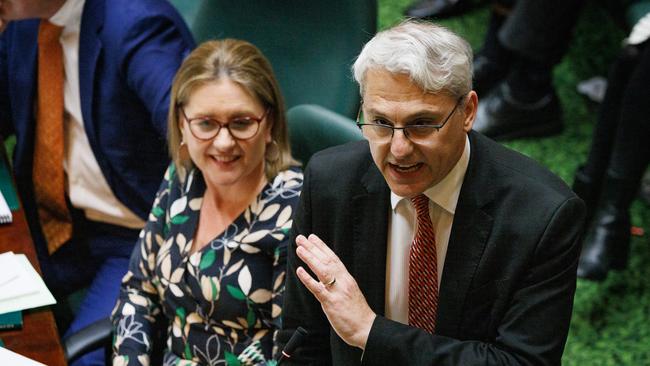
[445, 193]
[69, 15]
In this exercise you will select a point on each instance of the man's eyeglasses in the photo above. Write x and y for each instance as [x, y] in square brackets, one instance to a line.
[381, 130]
[240, 128]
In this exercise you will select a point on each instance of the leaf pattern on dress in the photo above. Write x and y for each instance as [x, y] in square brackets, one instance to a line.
[218, 301]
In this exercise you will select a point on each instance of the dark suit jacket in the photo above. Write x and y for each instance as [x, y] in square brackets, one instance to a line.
[129, 52]
[509, 278]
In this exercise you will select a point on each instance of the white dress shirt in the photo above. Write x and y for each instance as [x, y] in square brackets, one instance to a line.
[401, 231]
[86, 185]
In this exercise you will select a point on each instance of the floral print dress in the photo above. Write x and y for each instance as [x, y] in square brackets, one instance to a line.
[217, 302]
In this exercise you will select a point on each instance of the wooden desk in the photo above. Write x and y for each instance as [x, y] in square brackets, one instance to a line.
[39, 338]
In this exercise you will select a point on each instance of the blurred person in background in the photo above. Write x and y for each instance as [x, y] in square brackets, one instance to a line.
[609, 180]
[421, 9]
[84, 86]
[513, 71]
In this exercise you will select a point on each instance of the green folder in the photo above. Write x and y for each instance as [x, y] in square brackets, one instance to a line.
[11, 320]
[7, 187]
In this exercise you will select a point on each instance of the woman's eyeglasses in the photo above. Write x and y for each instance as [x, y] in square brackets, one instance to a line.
[240, 128]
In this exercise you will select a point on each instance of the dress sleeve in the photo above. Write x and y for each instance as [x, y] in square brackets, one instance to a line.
[138, 305]
[277, 297]
[292, 185]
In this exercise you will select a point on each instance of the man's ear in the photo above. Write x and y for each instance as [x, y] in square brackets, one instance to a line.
[469, 110]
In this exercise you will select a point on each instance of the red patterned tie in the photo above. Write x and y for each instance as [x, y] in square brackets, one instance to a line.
[423, 270]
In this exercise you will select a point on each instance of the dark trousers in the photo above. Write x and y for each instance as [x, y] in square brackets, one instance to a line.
[620, 142]
[540, 30]
[96, 258]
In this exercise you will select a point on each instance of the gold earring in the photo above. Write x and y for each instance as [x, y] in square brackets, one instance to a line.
[272, 152]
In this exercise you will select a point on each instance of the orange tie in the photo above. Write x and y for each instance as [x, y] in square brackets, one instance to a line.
[423, 270]
[48, 174]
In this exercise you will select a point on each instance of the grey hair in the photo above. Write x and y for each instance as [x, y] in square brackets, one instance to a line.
[435, 58]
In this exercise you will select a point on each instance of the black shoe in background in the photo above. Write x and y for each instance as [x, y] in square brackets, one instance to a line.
[502, 117]
[423, 9]
[607, 243]
[606, 246]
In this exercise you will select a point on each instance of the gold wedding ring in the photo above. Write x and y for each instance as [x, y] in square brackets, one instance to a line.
[330, 283]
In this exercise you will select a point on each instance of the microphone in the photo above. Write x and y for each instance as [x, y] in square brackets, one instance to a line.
[294, 342]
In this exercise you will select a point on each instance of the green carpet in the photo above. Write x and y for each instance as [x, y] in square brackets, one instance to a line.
[611, 320]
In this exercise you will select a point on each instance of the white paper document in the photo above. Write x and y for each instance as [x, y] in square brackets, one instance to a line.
[15, 280]
[12, 358]
[8, 267]
[25, 290]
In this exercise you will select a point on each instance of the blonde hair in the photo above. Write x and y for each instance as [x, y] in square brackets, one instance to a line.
[240, 62]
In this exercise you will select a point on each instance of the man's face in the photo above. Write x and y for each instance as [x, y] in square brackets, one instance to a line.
[25, 9]
[410, 168]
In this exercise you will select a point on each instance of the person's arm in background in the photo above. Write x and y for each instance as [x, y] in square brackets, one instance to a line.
[6, 125]
[277, 283]
[138, 305]
[154, 46]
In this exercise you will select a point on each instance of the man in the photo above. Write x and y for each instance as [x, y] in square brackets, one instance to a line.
[84, 86]
[481, 271]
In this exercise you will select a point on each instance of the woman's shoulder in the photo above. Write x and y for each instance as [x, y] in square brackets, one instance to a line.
[292, 175]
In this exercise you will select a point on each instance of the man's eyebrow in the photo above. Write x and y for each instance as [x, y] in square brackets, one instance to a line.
[410, 117]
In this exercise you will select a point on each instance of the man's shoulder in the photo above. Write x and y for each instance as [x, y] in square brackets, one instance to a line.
[124, 16]
[347, 159]
[508, 169]
[133, 8]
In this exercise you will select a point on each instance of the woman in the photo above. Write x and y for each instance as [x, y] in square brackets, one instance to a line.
[209, 265]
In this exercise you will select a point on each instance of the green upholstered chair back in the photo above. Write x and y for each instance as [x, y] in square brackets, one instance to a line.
[188, 9]
[313, 128]
[310, 43]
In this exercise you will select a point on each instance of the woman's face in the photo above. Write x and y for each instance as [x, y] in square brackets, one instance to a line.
[224, 160]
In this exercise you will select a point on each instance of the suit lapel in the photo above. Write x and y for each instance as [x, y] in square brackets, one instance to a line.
[90, 47]
[469, 234]
[370, 229]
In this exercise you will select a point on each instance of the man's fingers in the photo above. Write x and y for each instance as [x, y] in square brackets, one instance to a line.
[315, 287]
[302, 241]
[318, 243]
[314, 263]
[320, 250]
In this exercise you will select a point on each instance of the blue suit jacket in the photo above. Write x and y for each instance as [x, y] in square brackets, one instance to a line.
[129, 52]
